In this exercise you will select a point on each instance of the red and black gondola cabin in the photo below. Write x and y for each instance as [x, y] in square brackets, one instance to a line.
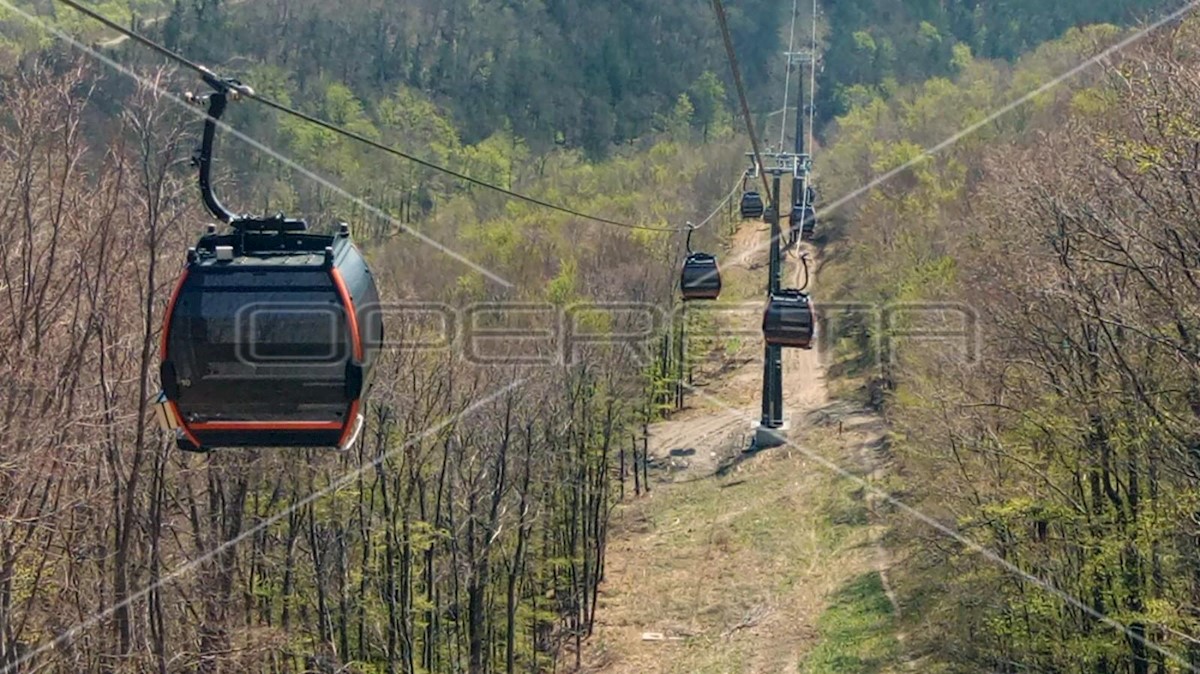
[269, 340]
[271, 333]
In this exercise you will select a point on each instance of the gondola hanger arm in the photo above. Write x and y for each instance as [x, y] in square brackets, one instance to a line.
[225, 90]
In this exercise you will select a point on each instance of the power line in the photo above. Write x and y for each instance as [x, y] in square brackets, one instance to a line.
[247, 93]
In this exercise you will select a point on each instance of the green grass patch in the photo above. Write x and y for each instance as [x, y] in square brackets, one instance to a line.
[845, 506]
[857, 631]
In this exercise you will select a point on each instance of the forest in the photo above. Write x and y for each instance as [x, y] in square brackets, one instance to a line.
[876, 45]
[1059, 460]
[535, 68]
[468, 529]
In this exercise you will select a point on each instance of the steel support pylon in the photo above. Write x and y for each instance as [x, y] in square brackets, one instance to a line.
[772, 406]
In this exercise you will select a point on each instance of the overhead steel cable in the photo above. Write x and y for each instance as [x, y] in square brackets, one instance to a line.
[451, 172]
[720, 204]
[787, 78]
[812, 85]
[741, 90]
[250, 94]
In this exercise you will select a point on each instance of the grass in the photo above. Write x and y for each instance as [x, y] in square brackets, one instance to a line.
[857, 631]
[845, 507]
[744, 567]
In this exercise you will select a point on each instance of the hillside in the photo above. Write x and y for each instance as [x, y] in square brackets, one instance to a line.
[1053, 456]
[547, 480]
[750, 562]
[538, 70]
[1006, 510]
[878, 44]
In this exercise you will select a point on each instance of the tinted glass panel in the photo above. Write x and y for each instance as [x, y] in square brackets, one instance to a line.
[260, 347]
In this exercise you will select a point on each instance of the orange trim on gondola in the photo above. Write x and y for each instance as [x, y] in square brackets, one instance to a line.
[183, 424]
[351, 422]
[166, 331]
[267, 426]
[351, 316]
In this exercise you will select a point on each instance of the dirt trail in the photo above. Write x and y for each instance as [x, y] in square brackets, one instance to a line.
[728, 563]
[694, 442]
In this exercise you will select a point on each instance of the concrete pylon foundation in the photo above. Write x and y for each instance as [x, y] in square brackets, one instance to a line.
[765, 436]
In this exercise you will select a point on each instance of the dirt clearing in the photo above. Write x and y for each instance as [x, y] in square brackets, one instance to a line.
[733, 561]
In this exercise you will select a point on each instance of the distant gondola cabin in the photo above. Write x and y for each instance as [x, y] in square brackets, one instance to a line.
[751, 206]
[789, 320]
[808, 221]
[700, 278]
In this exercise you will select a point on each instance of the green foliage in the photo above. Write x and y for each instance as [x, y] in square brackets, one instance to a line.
[873, 40]
[961, 57]
[560, 288]
[677, 124]
[857, 633]
[590, 76]
[708, 96]
[1057, 450]
[449, 82]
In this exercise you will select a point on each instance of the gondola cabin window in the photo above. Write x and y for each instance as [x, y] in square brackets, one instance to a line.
[260, 347]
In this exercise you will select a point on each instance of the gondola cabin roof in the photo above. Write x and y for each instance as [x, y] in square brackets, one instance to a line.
[790, 296]
[270, 243]
[285, 250]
